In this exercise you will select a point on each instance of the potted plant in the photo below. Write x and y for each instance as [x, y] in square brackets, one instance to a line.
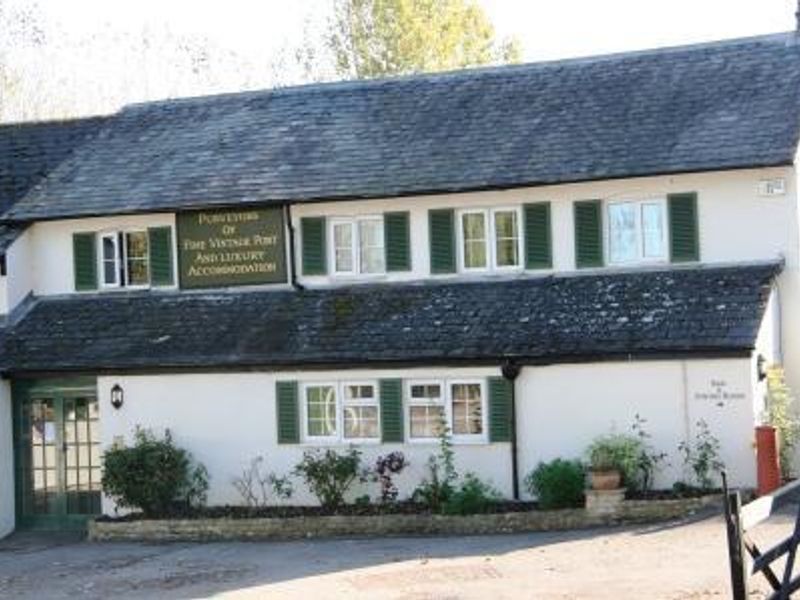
[615, 461]
[603, 471]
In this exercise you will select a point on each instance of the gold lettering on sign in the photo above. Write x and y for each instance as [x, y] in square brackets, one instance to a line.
[226, 247]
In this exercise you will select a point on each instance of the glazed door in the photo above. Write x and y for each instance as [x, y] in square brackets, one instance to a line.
[58, 458]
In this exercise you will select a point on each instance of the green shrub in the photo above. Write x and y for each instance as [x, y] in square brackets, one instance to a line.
[329, 474]
[154, 476]
[782, 416]
[619, 452]
[472, 496]
[557, 484]
[435, 490]
[701, 457]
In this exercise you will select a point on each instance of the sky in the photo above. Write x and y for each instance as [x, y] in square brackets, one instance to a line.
[547, 28]
[94, 60]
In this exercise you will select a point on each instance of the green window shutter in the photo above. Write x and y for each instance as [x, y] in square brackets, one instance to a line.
[288, 412]
[441, 230]
[391, 394]
[84, 259]
[312, 230]
[683, 228]
[538, 243]
[160, 242]
[588, 234]
[398, 241]
[500, 398]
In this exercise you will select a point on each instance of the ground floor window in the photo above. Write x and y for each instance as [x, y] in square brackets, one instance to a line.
[345, 411]
[458, 405]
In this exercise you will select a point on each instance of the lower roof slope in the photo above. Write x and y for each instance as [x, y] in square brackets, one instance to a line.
[731, 104]
[693, 311]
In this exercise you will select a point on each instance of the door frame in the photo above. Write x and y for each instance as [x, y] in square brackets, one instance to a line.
[22, 390]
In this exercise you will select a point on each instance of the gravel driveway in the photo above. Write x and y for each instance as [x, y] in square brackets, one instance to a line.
[675, 560]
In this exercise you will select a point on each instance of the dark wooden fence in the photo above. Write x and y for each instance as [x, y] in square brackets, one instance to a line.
[739, 520]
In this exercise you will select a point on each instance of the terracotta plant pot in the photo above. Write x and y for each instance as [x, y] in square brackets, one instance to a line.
[605, 480]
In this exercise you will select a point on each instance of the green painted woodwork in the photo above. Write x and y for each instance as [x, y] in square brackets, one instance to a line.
[397, 236]
[441, 230]
[588, 216]
[312, 233]
[501, 396]
[288, 410]
[391, 399]
[56, 453]
[160, 247]
[84, 259]
[683, 228]
[538, 242]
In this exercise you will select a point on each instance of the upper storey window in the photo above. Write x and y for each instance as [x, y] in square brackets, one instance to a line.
[633, 232]
[123, 259]
[490, 239]
[358, 246]
[637, 231]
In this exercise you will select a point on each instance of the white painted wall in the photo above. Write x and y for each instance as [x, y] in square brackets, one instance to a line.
[225, 420]
[562, 408]
[51, 257]
[6, 462]
[736, 223]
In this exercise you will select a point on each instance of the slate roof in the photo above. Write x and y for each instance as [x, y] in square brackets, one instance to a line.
[694, 311]
[723, 105]
[28, 152]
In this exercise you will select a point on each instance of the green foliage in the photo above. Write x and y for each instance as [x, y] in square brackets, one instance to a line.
[374, 38]
[472, 496]
[619, 452]
[256, 486]
[557, 484]
[781, 415]
[650, 460]
[436, 489]
[702, 456]
[329, 474]
[154, 476]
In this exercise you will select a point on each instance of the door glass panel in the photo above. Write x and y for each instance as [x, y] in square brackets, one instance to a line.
[60, 456]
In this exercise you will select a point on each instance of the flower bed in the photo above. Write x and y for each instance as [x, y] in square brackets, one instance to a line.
[283, 523]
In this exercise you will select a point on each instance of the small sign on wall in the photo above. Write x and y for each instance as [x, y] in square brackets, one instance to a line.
[719, 392]
[229, 247]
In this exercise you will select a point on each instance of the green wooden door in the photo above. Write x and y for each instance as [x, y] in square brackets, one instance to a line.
[57, 456]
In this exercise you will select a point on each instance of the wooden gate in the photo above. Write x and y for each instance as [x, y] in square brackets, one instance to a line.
[740, 519]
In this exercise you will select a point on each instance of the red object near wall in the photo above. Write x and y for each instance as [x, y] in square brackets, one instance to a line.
[769, 468]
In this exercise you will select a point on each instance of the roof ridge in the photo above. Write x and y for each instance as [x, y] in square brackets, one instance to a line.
[789, 37]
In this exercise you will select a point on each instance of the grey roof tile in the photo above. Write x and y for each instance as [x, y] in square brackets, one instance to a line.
[706, 107]
[563, 318]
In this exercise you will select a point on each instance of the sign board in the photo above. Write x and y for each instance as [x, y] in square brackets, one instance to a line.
[227, 247]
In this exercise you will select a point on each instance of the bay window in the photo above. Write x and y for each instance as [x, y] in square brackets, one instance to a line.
[458, 405]
[489, 239]
[358, 246]
[637, 231]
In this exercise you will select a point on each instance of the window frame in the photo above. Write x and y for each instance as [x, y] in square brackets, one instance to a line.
[409, 402]
[340, 403]
[375, 401]
[355, 245]
[126, 271]
[320, 438]
[120, 237]
[446, 385]
[641, 258]
[490, 241]
[118, 275]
